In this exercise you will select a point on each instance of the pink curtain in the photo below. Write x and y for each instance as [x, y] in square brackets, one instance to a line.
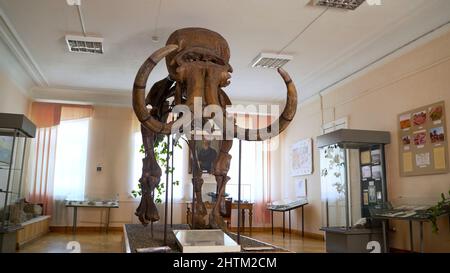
[47, 117]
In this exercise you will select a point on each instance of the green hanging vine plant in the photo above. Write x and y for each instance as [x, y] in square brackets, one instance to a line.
[442, 207]
[161, 151]
[336, 161]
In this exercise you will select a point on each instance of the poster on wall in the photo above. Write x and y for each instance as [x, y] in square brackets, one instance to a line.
[423, 141]
[300, 187]
[301, 158]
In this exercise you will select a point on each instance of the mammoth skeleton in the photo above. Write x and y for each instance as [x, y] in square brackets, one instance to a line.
[197, 60]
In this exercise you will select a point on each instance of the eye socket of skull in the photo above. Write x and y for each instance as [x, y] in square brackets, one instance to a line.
[198, 55]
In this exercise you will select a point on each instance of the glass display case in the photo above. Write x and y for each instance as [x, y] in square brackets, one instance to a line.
[14, 132]
[352, 169]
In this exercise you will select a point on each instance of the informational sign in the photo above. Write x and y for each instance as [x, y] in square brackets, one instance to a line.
[423, 141]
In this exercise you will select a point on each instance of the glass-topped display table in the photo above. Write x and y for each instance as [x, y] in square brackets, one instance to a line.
[92, 203]
[404, 210]
[286, 206]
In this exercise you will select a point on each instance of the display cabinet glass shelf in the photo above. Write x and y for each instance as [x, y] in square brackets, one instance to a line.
[352, 166]
[14, 132]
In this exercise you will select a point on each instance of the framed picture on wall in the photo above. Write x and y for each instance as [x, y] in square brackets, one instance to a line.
[301, 160]
[300, 187]
[207, 152]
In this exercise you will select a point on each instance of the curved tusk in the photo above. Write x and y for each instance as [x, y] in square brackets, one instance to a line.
[140, 82]
[281, 123]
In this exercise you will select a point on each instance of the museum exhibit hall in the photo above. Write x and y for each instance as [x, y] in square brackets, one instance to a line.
[214, 127]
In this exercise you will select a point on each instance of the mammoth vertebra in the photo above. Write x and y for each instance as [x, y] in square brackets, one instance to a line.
[197, 60]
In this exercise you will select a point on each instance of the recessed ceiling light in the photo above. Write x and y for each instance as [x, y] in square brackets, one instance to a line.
[340, 4]
[73, 2]
[84, 44]
[271, 60]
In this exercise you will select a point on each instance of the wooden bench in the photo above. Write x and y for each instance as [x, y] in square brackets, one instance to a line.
[32, 229]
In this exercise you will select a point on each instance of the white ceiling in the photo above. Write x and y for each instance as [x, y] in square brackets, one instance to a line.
[336, 45]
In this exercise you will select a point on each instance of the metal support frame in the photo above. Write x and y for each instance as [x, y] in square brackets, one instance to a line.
[411, 236]
[74, 224]
[239, 194]
[171, 151]
[167, 192]
[194, 170]
[385, 235]
[8, 183]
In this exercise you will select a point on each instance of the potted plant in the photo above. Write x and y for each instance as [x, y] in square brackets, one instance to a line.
[442, 207]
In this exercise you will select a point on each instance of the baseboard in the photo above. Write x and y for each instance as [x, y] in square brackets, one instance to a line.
[68, 229]
[311, 235]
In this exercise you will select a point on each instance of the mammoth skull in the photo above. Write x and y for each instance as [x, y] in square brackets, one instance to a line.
[197, 60]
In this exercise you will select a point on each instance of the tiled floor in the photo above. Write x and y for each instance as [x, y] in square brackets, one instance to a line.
[95, 242]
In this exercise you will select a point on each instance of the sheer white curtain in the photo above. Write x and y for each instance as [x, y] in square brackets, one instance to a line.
[70, 166]
[255, 170]
[71, 155]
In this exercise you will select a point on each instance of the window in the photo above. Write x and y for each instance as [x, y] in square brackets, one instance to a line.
[70, 162]
[253, 161]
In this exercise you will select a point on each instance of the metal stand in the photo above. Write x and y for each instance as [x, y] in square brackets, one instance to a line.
[385, 240]
[194, 174]
[272, 220]
[74, 227]
[411, 237]
[171, 182]
[421, 237]
[239, 194]
[107, 219]
[303, 221]
[167, 192]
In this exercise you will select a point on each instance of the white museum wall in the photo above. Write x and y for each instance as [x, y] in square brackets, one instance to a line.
[12, 100]
[373, 101]
[13, 84]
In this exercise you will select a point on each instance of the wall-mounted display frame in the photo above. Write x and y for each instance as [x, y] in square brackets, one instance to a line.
[301, 158]
[423, 141]
[301, 187]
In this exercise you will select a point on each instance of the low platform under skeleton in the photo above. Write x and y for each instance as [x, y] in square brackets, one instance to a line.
[205, 241]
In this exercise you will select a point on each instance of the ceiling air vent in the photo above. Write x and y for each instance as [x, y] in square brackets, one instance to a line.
[84, 44]
[271, 60]
[340, 4]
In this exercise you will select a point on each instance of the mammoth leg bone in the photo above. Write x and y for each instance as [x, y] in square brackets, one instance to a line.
[221, 168]
[151, 171]
[199, 208]
[151, 176]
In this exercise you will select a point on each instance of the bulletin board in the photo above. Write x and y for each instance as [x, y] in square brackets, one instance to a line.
[423, 141]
